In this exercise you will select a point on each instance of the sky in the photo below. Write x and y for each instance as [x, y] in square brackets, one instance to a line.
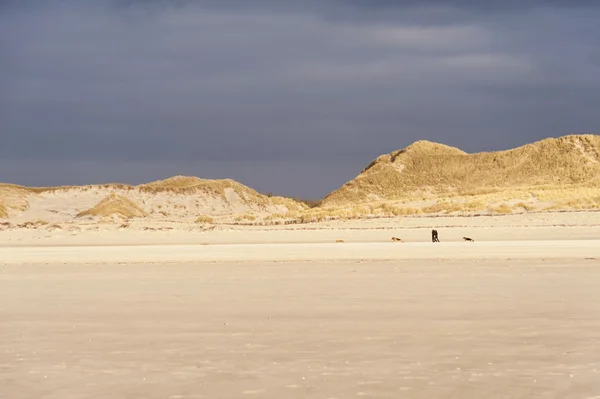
[293, 97]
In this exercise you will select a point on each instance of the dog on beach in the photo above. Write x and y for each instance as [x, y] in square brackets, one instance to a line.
[468, 239]
[396, 239]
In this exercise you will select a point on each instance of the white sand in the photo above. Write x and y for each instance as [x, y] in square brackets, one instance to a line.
[303, 251]
[288, 313]
[412, 329]
[560, 235]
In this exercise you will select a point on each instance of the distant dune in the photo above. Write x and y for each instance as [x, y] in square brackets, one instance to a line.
[424, 178]
[559, 173]
[179, 198]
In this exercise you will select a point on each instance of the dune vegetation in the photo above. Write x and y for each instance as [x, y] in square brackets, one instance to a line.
[426, 170]
[115, 204]
[432, 178]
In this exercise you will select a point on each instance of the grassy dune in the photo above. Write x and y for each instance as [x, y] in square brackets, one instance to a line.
[426, 178]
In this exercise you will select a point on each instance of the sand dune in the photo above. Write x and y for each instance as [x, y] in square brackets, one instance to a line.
[179, 198]
[426, 177]
[422, 179]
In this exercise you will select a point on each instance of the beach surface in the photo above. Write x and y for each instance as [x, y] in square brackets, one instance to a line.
[317, 329]
[573, 235]
[286, 312]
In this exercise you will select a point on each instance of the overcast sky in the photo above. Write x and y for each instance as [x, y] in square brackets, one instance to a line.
[289, 96]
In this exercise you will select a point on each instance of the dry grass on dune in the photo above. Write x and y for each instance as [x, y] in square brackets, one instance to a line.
[115, 204]
[181, 184]
[205, 219]
[106, 186]
[426, 169]
[193, 185]
[217, 188]
[250, 216]
[13, 198]
[440, 207]
[503, 202]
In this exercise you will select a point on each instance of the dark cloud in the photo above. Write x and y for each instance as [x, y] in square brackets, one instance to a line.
[186, 84]
[367, 4]
[489, 4]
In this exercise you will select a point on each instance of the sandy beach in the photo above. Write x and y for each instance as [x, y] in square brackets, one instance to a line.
[177, 254]
[286, 312]
[572, 235]
[343, 329]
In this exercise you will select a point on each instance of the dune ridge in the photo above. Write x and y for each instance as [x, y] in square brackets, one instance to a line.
[563, 173]
[424, 178]
[437, 168]
[179, 198]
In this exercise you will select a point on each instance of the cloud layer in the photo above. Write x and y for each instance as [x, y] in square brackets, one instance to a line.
[258, 83]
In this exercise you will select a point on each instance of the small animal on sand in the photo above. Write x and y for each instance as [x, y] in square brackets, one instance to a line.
[434, 236]
[339, 240]
[396, 239]
[468, 239]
